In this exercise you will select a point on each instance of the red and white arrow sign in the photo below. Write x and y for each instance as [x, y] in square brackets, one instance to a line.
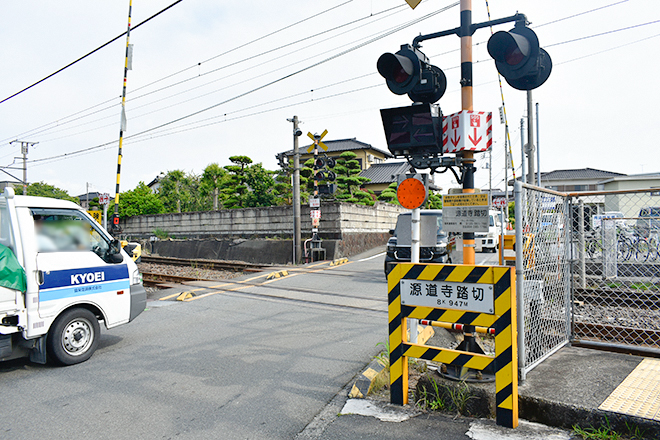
[469, 130]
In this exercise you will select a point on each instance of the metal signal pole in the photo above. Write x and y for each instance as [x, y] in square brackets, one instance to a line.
[297, 238]
[122, 128]
[467, 104]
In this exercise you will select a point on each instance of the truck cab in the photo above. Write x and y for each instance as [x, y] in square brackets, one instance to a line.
[62, 276]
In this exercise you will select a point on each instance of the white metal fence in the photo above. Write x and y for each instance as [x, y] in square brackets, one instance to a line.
[588, 271]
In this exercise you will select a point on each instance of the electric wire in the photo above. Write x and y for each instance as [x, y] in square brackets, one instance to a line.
[582, 38]
[311, 66]
[60, 122]
[92, 52]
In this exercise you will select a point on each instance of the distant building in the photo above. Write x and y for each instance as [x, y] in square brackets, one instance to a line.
[84, 199]
[9, 183]
[381, 175]
[367, 155]
[585, 179]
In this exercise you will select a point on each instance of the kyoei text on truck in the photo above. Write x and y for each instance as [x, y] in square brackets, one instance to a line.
[61, 274]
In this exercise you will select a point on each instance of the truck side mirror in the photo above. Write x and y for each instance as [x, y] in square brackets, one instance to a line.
[114, 252]
[391, 231]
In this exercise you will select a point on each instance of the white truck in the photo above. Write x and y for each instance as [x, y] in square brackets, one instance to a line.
[489, 241]
[61, 274]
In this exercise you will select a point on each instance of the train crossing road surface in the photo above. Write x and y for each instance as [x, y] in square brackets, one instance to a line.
[257, 360]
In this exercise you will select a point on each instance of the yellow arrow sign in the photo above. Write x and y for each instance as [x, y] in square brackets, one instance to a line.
[413, 3]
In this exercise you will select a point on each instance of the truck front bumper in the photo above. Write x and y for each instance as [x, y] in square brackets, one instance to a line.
[138, 300]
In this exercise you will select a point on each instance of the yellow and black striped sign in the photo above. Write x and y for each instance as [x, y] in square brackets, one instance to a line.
[503, 321]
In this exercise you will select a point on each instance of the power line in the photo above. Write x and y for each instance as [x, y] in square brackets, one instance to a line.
[90, 53]
[60, 123]
[382, 35]
[604, 33]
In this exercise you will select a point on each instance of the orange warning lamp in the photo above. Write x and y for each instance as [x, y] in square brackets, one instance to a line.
[411, 193]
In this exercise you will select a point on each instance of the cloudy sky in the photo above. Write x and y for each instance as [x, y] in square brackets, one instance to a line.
[212, 79]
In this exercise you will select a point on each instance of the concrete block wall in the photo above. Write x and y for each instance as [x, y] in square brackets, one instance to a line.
[247, 234]
[337, 219]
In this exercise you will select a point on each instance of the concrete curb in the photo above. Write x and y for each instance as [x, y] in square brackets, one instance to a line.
[362, 384]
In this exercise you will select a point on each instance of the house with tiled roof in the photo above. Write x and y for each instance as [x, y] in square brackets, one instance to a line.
[367, 155]
[584, 179]
[381, 175]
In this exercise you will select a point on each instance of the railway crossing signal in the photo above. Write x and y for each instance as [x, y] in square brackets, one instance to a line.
[408, 72]
[519, 59]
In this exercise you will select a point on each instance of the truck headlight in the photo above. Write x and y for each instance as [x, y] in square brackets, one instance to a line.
[441, 249]
[136, 277]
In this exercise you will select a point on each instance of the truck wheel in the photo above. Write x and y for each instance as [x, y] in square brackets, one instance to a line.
[74, 336]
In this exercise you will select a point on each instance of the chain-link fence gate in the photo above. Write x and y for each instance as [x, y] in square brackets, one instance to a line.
[588, 271]
[542, 273]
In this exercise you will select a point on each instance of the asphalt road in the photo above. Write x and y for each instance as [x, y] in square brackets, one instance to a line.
[252, 360]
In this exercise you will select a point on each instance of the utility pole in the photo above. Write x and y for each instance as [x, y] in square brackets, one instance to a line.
[297, 238]
[530, 139]
[24, 152]
[538, 149]
[522, 150]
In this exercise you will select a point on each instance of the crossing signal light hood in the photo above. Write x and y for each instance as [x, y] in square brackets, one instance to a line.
[408, 72]
[519, 58]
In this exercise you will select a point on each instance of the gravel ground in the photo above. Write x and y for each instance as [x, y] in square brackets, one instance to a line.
[186, 271]
[618, 316]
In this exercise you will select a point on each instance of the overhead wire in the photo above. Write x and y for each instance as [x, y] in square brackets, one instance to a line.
[155, 128]
[289, 75]
[91, 52]
[59, 122]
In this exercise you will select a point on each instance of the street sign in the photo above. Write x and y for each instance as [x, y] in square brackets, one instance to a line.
[469, 130]
[96, 215]
[317, 140]
[471, 297]
[315, 213]
[499, 202]
[465, 212]
[411, 193]
[413, 3]
[314, 202]
[104, 198]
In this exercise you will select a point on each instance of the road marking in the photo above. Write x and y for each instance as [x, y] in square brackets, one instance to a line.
[374, 256]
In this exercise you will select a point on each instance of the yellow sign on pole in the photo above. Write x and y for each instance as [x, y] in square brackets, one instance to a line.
[96, 215]
[413, 3]
[465, 199]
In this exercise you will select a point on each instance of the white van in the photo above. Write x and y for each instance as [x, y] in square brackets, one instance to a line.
[488, 241]
[60, 275]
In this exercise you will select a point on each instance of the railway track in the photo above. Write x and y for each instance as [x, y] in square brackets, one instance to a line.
[204, 264]
[154, 279]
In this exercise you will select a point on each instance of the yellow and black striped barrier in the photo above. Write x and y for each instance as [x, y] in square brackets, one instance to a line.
[482, 296]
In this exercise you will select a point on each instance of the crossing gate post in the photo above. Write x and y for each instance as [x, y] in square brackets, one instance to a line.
[436, 292]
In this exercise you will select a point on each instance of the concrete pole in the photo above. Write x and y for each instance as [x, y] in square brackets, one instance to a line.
[530, 138]
[538, 149]
[297, 254]
[522, 149]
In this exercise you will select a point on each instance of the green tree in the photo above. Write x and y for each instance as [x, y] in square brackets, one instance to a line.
[41, 189]
[180, 192]
[389, 194]
[139, 201]
[233, 188]
[211, 182]
[261, 186]
[348, 180]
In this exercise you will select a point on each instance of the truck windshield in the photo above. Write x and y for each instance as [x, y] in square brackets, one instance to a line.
[65, 230]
